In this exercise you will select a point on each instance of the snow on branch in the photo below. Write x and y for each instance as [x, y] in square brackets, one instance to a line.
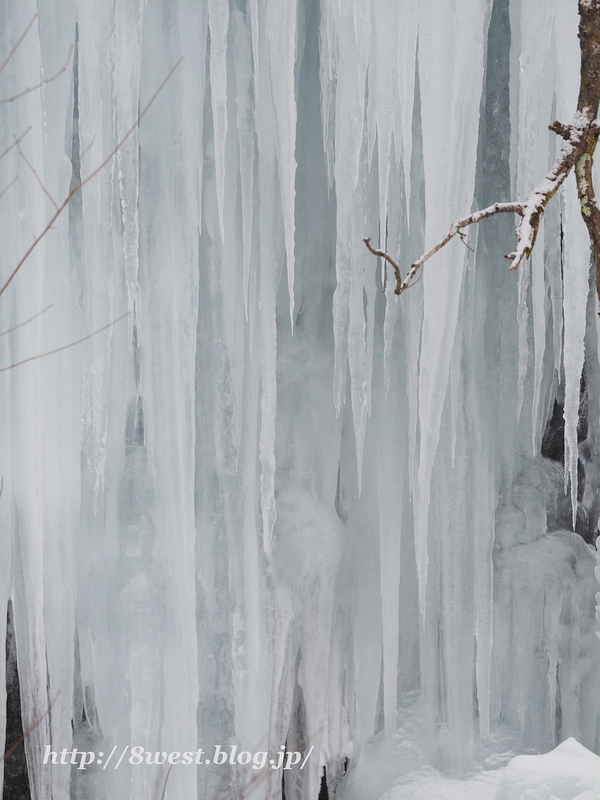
[580, 139]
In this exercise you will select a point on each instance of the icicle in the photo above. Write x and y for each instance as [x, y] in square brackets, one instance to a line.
[538, 294]
[523, 328]
[553, 267]
[40, 425]
[353, 35]
[60, 433]
[358, 363]
[391, 314]
[328, 84]
[102, 295]
[392, 472]
[449, 186]
[397, 235]
[576, 251]
[380, 109]
[170, 148]
[454, 378]
[297, 605]
[20, 414]
[576, 287]
[535, 102]
[226, 255]
[405, 50]
[128, 44]
[542, 158]
[245, 127]
[218, 23]
[267, 289]
[280, 23]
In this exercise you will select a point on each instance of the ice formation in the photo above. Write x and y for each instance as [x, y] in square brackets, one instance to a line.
[277, 505]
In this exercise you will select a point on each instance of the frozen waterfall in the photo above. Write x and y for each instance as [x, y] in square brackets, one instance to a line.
[275, 508]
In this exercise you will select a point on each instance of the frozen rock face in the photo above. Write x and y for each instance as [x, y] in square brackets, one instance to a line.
[569, 772]
[276, 503]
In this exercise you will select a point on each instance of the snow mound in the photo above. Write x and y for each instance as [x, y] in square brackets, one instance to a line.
[569, 772]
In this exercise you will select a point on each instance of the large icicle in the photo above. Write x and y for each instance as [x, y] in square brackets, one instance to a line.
[351, 48]
[99, 257]
[212, 571]
[408, 17]
[41, 484]
[280, 23]
[576, 253]
[352, 40]
[381, 106]
[535, 105]
[576, 287]
[128, 48]
[449, 161]
[60, 433]
[169, 245]
[269, 225]
[245, 127]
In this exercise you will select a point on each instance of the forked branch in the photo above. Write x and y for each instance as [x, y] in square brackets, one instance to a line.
[41, 84]
[580, 139]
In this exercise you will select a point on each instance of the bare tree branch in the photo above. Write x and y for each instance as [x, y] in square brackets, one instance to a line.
[74, 189]
[456, 228]
[65, 346]
[17, 44]
[41, 84]
[35, 722]
[15, 143]
[37, 177]
[162, 797]
[9, 186]
[387, 258]
[27, 321]
[580, 139]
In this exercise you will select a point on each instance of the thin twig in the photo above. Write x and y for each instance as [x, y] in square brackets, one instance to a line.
[141, 115]
[162, 797]
[1, 485]
[456, 228]
[36, 176]
[15, 143]
[10, 185]
[531, 210]
[65, 346]
[463, 237]
[27, 321]
[32, 727]
[577, 151]
[387, 258]
[16, 46]
[83, 182]
[41, 84]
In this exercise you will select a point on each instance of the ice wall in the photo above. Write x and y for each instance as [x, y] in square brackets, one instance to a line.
[275, 504]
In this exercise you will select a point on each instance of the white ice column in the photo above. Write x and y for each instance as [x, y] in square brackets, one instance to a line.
[169, 219]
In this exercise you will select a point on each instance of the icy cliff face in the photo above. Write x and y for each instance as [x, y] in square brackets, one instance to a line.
[277, 505]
